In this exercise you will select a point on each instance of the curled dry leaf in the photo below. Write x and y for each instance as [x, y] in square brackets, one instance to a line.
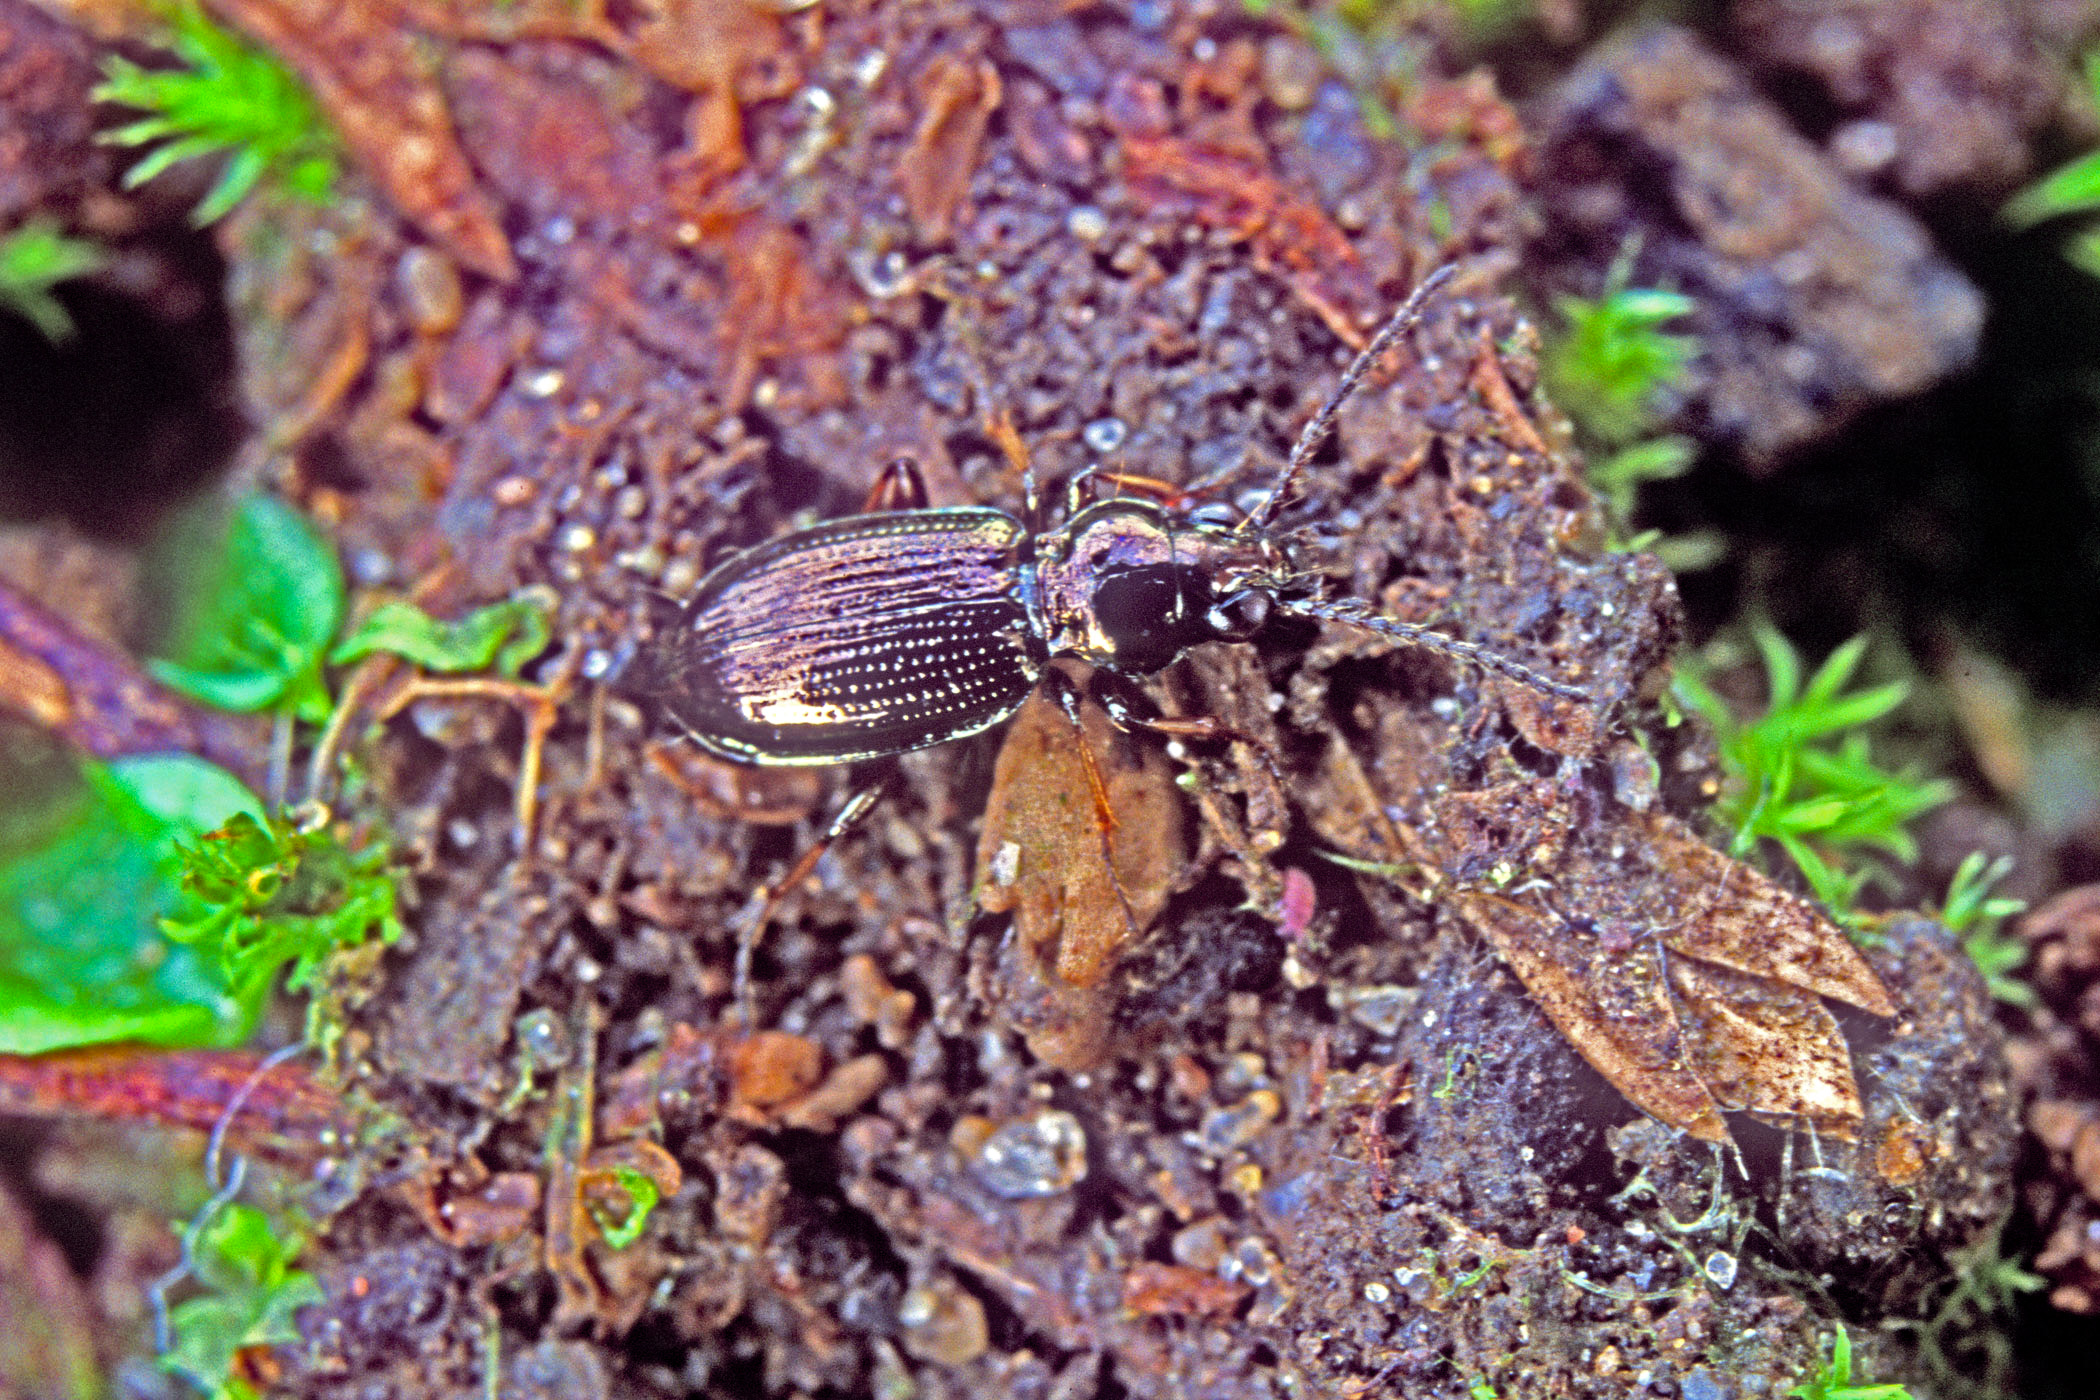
[962, 94]
[1717, 1009]
[1049, 835]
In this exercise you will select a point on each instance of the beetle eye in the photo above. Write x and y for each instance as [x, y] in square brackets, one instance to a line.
[1217, 513]
[1239, 617]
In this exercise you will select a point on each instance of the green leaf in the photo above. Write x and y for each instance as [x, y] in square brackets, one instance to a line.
[254, 1299]
[87, 868]
[1802, 774]
[2069, 189]
[1612, 361]
[35, 258]
[256, 625]
[183, 793]
[227, 96]
[642, 1198]
[1834, 1380]
[506, 634]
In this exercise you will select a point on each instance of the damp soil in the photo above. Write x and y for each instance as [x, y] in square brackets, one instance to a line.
[1332, 1089]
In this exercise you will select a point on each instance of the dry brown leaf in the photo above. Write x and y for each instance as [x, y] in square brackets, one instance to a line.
[1687, 979]
[1766, 1047]
[1614, 1010]
[1044, 851]
[1721, 911]
[935, 169]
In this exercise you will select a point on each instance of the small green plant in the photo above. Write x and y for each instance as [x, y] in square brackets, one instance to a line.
[503, 636]
[252, 1300]
[1802, 775]
[622, 1230]
[35, 258]
[1833, 1381]
[2072, 188]
[1976, 916]
[1613, 359]
[228, 97]
[255, 622]
[263, 894]
[1609, 369]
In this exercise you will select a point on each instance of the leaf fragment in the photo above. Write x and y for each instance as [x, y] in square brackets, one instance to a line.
[1724, 912]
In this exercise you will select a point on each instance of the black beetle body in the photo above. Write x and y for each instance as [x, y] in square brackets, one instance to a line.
[880, 633]
[877, 634]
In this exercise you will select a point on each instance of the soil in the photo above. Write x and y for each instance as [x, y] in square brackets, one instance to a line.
[1335, 1094]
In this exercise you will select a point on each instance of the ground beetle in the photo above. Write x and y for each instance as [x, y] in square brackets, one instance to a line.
[896, 629]
[879, 633]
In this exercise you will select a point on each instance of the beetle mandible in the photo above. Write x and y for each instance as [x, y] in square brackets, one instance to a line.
[876, 634]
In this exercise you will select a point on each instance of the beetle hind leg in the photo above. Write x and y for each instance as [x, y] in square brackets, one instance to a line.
[900, 485]
[766, 899]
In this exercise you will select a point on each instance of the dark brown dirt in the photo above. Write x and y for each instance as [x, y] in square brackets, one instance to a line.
[1330, 1146]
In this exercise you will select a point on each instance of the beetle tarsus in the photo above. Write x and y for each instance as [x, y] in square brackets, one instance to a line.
[759, 910]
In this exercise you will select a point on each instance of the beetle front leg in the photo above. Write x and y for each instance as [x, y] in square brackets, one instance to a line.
[1067, 694]
[1252, 841]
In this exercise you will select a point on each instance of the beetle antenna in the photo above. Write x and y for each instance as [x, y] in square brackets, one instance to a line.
[1355, 613]
[1397, 325]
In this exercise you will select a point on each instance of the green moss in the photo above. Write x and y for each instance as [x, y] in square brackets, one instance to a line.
[228, 98]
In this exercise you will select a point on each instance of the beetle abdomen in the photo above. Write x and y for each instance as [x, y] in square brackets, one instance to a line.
[868, 635]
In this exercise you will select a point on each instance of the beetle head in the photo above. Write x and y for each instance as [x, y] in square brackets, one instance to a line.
[1130, 586]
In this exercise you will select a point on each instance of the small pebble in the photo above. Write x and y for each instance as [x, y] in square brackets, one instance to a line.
[1037, 1156]
[943, 1323]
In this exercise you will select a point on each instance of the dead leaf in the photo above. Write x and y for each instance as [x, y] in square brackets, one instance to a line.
[1615, 1012]
[1044, 853]
[961, 95]
[1721, 911]
[1687, 979]
[1765, 1047]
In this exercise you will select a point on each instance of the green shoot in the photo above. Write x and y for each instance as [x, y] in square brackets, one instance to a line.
[1833, 1381]
[227, 97]
[253, 1299]
[2072, 188]
[1613, 360]
[504, 635]
[1609, 370]
[35, 258]
[1976, 916]
[642, 1198]
[260, 895]
[1801, 773]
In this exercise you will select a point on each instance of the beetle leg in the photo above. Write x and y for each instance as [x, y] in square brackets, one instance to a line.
[1202, 728]
[900, 485]
[766, 898]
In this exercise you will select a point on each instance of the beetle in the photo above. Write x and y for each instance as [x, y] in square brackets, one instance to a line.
[876, 634]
